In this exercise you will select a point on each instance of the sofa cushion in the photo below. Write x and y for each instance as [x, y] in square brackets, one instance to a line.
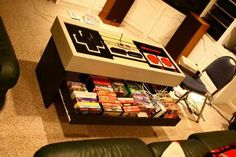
[9, 66]
[215, 139]
[113, 147]
[191, 148]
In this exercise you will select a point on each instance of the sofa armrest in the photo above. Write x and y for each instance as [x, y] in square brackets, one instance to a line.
[193, 148]
[215, 139]
[9, 72]
[112, 147]
[9, 66]
[158, 148]
[0, 68]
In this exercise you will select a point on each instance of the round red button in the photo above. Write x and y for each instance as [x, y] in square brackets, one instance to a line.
[153, 59]
[166, 61]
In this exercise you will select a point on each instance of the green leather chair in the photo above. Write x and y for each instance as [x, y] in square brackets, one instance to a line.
[9, 66]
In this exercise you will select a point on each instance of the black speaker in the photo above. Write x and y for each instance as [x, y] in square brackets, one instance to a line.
[186, 37]
[114, 11]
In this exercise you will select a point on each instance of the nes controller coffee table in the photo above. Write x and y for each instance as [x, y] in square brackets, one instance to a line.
[76, 47]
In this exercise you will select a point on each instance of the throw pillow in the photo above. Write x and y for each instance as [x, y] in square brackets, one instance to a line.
[173, 150]
[225, 151]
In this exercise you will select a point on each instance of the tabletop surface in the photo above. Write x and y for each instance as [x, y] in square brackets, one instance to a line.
[111, 53]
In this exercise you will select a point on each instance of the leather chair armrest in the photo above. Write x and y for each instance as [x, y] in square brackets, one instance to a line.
[215, 139]
[193, 148]
[0, 68]
[9, 72]
[9, 66]
[112, 147]
[158, 148]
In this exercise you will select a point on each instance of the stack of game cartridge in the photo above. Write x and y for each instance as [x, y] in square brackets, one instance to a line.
[126, 101]
[112, 109]
[144, 103]
[76, 86]
[84, 102]
[170, 105]
[98, 83]
[106, 96]
[172, 110]
[109, 103]
[133, 88]
[141, 99]
[130, 104]
[159, 107]
[131, 111]
[119, 88]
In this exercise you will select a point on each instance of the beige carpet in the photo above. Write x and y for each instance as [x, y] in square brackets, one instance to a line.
[26, 125]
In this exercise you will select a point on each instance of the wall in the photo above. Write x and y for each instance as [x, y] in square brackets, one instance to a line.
[154, 19]
[91, 4]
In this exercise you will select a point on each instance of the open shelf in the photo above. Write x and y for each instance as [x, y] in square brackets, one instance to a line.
[220, 17]
[75, 118]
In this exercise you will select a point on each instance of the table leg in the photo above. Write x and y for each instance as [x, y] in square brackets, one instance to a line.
[50, 73]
